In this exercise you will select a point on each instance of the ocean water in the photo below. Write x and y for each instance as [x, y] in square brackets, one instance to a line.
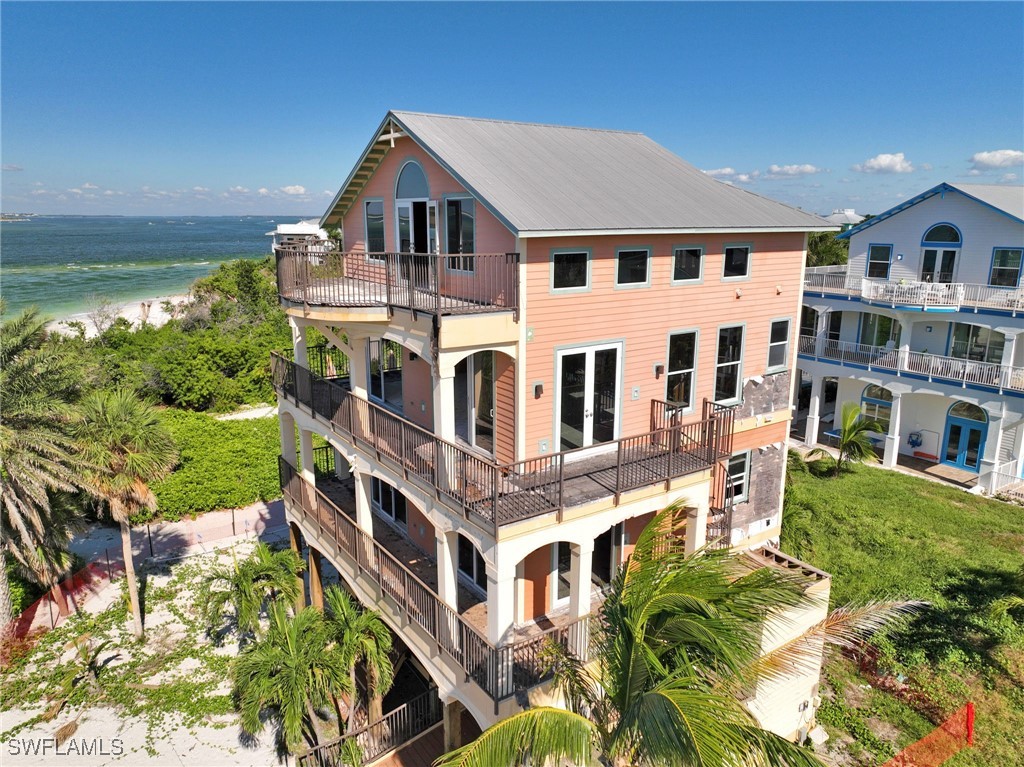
[64, 264]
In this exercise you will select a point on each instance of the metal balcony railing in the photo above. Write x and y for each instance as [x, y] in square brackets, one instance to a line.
[493, 494]
[437, 284]
[933, 367]
[836, 280]
[499, 671]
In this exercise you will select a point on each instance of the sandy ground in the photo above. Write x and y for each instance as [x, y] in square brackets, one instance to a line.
[132, 311]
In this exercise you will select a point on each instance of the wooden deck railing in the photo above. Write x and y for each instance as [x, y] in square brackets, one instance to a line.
[499, 671]
[435, 283]
[491, 494]
[378, 738]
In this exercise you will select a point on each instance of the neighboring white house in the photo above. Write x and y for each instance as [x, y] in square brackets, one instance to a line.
[846, 218]
[302, 232]
[921, 330]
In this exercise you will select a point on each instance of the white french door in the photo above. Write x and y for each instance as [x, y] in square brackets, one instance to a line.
[588, 396]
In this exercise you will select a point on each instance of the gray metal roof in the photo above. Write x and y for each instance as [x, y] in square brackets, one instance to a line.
[547, 178]
[1008, 199]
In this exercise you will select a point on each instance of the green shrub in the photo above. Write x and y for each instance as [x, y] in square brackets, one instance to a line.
[222, 464]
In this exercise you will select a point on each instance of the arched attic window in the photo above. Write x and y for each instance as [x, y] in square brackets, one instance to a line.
[942, 234]
[968, 411]
[412, 183]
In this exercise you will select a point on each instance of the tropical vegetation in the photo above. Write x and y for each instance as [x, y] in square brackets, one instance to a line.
[679, 641]
[853, 445]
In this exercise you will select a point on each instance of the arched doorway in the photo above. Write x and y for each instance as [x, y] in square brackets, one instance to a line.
[939, 248]
[964, 442]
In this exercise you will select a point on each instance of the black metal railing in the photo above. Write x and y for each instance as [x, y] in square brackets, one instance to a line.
[491, 494]
[428, 282]
[499, 671]
[386, 734]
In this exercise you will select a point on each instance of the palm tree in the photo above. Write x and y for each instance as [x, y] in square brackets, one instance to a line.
[37, 454]
[125, 438]
[679, 640]
[363, 638]
[854, 446]
[237, 594]
[290, 674]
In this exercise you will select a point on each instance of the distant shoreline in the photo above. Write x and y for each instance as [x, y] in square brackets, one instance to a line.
[132, 311]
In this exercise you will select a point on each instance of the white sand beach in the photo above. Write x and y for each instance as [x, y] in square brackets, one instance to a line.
[147, 310]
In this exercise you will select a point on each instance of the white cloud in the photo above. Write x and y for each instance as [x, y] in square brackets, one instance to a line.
[239, 190]
[999, 158]
[729, 175]
[75, 191]
[200, 189]
[87, 185]
[263, 192]
[885, 163]
[721, 172]
[293, 189]
[1008, 178]
[11, 168]
[791, 171]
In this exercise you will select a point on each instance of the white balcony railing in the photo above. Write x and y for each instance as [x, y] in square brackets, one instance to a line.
[935, 367]
[837, 280]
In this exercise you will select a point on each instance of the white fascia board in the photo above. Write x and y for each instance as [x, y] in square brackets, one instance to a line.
[695, 230]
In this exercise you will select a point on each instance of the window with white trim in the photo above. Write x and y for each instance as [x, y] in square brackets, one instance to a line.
[682, 361]
[389, 501]
[879, 261]
[471, 563]
[778, 345]
[737, 262]
[1006, 263]
[570, 270]
[688, 265]
[739, 476]
[727, 363]
[374, 210]
[460, 217]
[632, 267]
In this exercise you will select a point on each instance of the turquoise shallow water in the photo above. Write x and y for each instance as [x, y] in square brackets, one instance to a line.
[63, 264]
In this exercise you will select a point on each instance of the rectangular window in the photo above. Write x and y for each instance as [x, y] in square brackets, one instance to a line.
[739, 476]
[389, 501]
[375, 226]
[461, 220]
[737, 262]
[877, 329]
[471, 563]
[687, 265]
[778, 345]
[879, 259]
[570, 271]
[727, 364]
[1006, 267]
[682, 358]
[976, 343]
[632, 267]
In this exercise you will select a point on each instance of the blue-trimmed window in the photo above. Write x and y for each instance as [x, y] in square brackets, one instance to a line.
[374, 210]
[876, 405]
[461, 230]
[879, 262]
[942, 234]
[1006, 265]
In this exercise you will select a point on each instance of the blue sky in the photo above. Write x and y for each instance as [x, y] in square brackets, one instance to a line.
[223, 108]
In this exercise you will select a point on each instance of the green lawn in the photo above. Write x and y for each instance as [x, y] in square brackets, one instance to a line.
[882, 535]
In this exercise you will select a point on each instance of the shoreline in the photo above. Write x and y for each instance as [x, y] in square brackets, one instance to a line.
[133, 311]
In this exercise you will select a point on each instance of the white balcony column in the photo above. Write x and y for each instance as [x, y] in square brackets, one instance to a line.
[892, 439]
[364, 496]
[306, 449]
[342, 470]
[286, 426]
[358, 376]
[444, 405]
[813, 412]
[1009, 353]
[989, 463]
[821, 321]
[580, 568]
[697, 525]
[501, 602]
[447, 567]
[299, 342]
[906, 328]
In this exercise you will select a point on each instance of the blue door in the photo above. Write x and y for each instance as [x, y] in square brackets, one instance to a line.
[965, 441]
